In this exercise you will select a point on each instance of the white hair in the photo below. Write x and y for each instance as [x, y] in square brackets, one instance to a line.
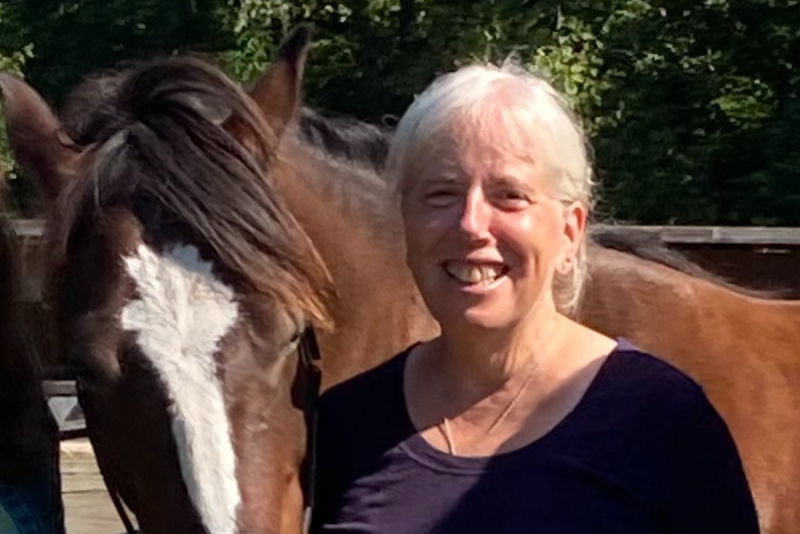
[527, 117]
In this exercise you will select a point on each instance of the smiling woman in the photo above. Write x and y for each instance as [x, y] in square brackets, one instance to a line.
[515, 416]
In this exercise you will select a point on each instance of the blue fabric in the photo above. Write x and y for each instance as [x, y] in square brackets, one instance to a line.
[644, 452]
[34, 506]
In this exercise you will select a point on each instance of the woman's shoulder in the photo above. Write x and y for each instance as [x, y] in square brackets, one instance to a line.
[365, 414]
[700, 478]
[651, 400]
[380, 384]
[633, 374]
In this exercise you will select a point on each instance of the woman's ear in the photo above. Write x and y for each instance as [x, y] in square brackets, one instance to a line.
[575, 217]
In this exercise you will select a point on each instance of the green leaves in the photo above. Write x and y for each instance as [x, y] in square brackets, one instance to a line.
[11, 60]
[692, 106]
[71, 39]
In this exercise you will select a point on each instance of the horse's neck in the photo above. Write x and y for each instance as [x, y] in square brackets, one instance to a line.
[357, 230]
[785, 315]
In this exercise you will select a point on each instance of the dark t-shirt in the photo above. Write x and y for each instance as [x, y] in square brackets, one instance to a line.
[643, 452]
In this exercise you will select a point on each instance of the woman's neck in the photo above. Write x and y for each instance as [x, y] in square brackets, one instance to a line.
[474, 364]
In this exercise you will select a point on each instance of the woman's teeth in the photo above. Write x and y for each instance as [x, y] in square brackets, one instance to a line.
[473, 274]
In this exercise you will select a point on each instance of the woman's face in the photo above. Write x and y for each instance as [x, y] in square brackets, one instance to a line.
[484, 235]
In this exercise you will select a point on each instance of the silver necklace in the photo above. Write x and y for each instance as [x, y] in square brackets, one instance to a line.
[444, 425]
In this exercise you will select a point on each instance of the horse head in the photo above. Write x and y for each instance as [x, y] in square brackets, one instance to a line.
[181, 284]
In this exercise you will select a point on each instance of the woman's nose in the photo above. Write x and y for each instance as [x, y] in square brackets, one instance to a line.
[476, 214]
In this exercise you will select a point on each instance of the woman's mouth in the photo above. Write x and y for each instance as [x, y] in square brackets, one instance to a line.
[475, 273]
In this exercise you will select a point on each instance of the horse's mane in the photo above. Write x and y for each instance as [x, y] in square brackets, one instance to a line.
[649, 247]
[347, 139]
[26, 431]
[158, 138]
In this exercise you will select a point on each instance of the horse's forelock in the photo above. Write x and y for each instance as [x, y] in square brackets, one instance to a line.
[157, 132]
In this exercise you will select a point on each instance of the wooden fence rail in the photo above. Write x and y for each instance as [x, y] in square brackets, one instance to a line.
[708, 235]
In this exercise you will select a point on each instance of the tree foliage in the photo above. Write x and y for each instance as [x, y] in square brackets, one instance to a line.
[11, 61]
[692, 107]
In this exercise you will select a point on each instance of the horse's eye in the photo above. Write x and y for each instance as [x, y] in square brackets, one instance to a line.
[291, 346]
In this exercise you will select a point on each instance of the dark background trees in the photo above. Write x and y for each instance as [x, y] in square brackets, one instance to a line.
[692, 107]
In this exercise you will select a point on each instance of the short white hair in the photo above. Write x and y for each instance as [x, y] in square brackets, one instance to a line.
[535, 123]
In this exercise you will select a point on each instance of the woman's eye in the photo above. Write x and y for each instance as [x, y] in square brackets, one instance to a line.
[440, 197]
[512, 199]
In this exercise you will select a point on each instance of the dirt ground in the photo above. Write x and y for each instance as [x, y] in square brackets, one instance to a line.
[87, 507]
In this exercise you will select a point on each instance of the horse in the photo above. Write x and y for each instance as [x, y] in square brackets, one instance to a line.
[183, 286]
[241, 219]
[30, 488]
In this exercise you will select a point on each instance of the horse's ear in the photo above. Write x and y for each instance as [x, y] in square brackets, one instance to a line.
[37, 140]
[277, 93]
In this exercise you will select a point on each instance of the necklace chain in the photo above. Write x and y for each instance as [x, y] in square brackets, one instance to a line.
[444, 425]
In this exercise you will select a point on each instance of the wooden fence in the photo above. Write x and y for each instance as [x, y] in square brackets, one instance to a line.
[754, 257]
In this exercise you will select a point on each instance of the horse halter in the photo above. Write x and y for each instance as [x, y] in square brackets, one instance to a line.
[309, 358]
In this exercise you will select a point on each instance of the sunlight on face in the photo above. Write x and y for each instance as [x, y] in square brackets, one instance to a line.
[484, 232]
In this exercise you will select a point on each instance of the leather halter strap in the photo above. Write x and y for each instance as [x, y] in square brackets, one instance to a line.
[310, 357]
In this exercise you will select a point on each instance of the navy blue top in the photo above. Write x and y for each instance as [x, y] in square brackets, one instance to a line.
[642, 452]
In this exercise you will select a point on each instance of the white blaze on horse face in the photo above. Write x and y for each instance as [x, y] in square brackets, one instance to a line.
[180, 317]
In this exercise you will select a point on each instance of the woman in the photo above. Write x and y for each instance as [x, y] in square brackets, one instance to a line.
[516, 419]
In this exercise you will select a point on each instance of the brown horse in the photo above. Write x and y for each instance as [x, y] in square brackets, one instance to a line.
[169, 187]
[29, 480]
[181, 284]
